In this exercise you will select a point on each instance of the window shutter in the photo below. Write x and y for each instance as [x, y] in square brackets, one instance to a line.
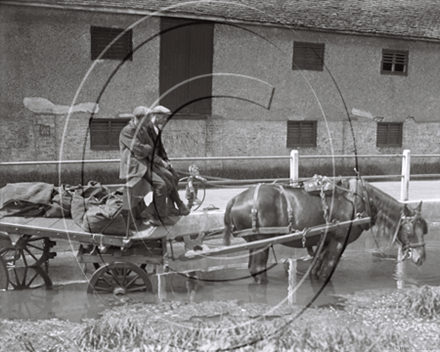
[99, 136]
[301, 134]
[104, 133]
[115, 129]
[101, 37]
[308, 56]
[394, 62]
[389, 134]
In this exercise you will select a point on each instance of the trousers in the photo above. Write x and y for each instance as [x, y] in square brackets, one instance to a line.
[161, 190]
[172, 180]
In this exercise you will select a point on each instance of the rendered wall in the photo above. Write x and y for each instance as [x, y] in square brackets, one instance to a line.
[48, 56]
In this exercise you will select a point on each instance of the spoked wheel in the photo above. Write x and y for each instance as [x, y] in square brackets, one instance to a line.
[29, 251]
[4, 277]
[119, 278]
[28, 277]
[23, 262]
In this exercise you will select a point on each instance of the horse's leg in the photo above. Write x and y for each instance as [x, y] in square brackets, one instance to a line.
[321, 257]
[334, 250]
[257, 265]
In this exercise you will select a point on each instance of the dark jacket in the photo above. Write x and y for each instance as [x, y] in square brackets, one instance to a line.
[158, 148]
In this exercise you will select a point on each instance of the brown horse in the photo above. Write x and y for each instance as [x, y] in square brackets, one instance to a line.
[272, 205]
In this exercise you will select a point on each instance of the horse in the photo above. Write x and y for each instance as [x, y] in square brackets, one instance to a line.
[275, 205]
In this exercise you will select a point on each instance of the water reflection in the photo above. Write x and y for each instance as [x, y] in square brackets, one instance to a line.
[357, 270]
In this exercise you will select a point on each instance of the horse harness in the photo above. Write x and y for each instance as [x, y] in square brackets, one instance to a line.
[254, 211]
[407, 246]
[403, 220]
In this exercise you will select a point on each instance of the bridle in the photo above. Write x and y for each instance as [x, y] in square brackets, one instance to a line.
[405, 245]
[404, 220]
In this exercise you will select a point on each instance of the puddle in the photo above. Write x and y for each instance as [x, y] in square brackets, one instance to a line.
[358, 270]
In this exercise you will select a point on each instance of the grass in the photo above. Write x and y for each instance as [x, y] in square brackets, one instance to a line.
[421, 302]
[129, 334]
[375, 321]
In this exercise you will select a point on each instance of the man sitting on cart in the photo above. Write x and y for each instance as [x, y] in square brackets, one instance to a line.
[136, 163]
[162, 166]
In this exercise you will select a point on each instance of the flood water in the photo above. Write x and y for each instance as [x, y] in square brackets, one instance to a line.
[360, 268]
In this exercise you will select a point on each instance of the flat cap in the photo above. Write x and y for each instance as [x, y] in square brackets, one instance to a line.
[160, 110]
[141, 111]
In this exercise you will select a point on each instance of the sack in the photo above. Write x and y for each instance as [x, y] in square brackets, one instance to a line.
[318, 184]
[97, 210]
[105, 218]
[61, 203]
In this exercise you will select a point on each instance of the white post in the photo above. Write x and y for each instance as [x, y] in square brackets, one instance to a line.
[400, 269]
[294, 163]
[291, 295]
[406, 162]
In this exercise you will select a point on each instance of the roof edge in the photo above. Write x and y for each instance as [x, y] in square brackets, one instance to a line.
[219, 20]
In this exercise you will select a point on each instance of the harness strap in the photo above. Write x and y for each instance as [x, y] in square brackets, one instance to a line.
[408, 244]
[366, 197]
[395, 239]
[289, 205]
[254, 211]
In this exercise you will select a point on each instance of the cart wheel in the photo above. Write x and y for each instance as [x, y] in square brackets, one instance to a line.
[119, 278]
[29, 251]
[4, 278]
[23, 278]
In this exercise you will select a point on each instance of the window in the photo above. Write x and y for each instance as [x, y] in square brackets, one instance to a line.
[122, 49]
[301, 134]
[308, 56]
[389, 134]
[186, 51]
[104, 133]
[394, 62]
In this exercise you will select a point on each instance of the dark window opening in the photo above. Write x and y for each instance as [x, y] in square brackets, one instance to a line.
[186, 51]
[104, 133]
[121, 49]
[394, 62]
[301, 134]
[389, 134]
[308, 56]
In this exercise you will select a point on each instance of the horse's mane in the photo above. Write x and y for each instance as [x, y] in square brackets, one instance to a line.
[386, 211]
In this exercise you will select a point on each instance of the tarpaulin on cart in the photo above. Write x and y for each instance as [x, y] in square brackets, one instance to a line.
[25, 199]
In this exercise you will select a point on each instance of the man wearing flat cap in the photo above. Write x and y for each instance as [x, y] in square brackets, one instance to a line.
[162, 166]
[136, 149]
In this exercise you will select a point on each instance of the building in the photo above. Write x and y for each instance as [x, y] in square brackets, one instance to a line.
[246, 77]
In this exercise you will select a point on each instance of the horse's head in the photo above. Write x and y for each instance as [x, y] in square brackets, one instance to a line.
[410, 234]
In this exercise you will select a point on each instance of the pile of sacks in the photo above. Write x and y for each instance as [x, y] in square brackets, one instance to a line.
[93, 207]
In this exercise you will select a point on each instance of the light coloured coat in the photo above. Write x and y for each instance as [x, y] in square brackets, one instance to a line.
[136, 149]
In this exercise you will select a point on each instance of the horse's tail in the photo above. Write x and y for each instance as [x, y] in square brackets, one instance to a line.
[227, 231]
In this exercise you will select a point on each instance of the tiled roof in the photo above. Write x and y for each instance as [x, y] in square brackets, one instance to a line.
[417, 19]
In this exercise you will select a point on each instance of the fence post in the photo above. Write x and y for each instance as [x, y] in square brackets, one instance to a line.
[406, 162]
[294, 162]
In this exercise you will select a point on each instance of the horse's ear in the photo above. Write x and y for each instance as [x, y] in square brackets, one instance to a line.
[418, 208]
[407, 211]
